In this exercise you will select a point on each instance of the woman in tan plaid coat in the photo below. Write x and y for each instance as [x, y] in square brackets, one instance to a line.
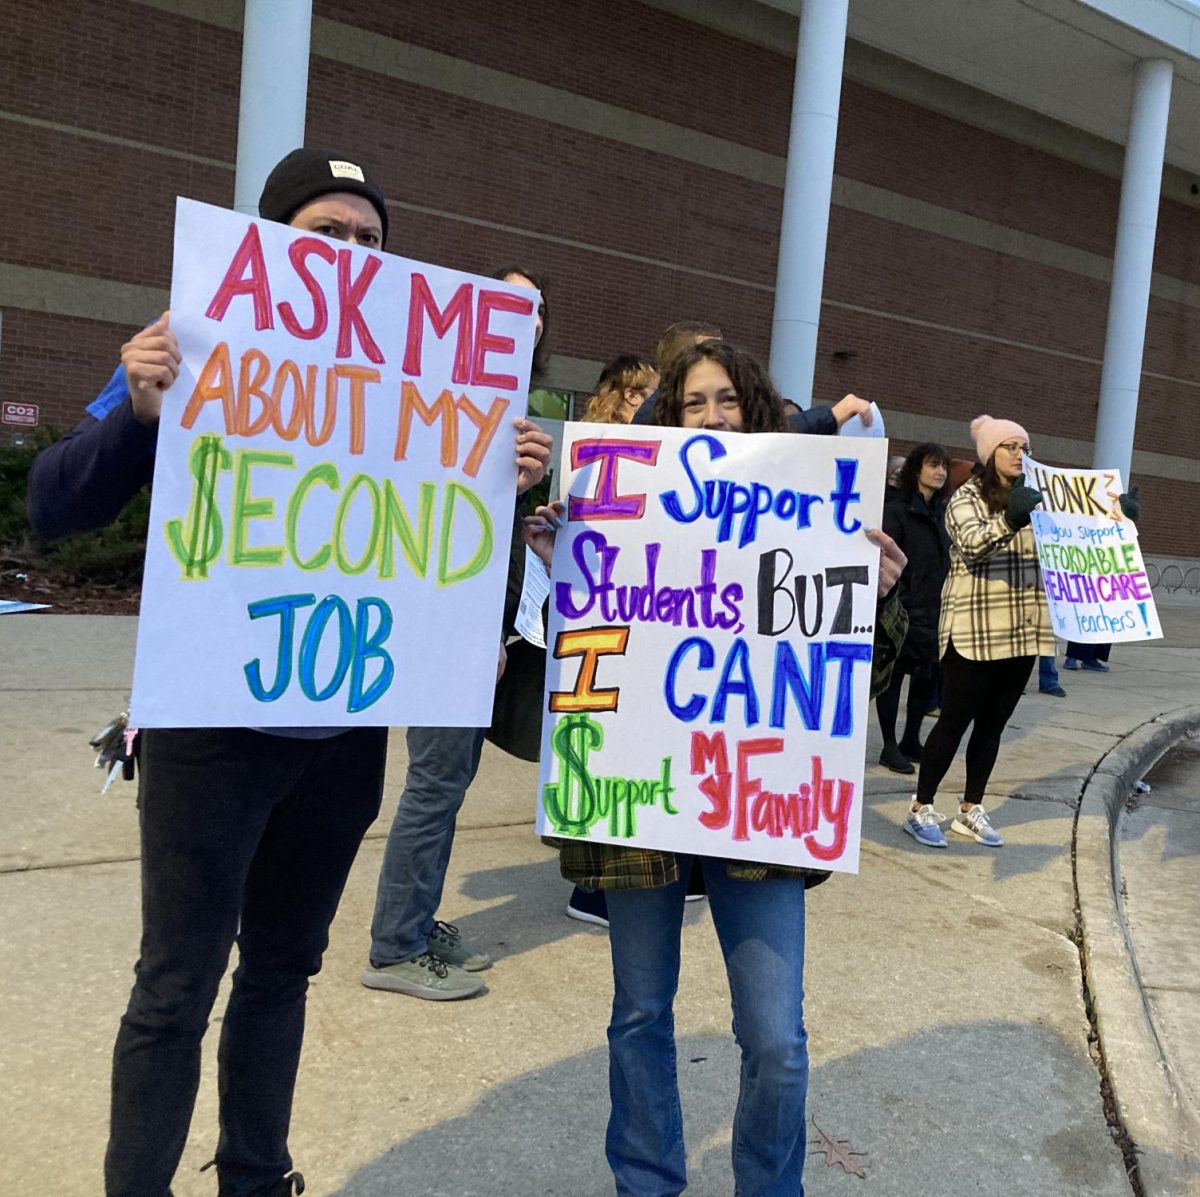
[994, 624]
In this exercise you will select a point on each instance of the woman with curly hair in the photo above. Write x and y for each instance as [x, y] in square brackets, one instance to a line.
[717, 386]
[758, 910]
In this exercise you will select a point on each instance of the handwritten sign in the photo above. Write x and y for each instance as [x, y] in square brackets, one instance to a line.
[334, 487]
[1092, 567]
[712, 605]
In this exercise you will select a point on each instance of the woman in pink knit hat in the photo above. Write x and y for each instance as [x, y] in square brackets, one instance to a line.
[994, 625]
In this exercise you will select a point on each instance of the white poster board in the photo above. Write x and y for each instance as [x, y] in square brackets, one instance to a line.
[1092, 567]
[712, 607]
[334, 485]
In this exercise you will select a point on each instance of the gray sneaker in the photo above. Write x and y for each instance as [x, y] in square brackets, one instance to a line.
[977, 826]
[446, 944]
[424, 977]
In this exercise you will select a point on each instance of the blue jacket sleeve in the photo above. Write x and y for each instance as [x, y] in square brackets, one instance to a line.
[82, 481]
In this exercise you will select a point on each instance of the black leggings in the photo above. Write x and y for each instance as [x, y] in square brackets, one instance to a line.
[985, 693]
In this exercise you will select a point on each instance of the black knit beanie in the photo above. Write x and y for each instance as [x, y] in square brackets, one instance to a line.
[305, 175]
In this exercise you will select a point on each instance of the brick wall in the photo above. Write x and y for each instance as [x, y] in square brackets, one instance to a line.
[57, 362]
[949, 329]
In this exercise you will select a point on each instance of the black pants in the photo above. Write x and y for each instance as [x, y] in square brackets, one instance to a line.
[1088, 652]
[981, 692]
[244, 835]
[887, 705]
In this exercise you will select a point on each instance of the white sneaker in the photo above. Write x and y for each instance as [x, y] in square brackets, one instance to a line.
[975, 823]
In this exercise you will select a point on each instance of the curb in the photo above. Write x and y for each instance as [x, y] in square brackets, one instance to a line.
[1161, 1121]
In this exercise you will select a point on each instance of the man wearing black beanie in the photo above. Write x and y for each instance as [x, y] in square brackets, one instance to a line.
[245, 834]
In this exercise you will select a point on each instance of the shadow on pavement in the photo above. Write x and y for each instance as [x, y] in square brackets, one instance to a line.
[522, 895]
[882, 815]
[986, 1107]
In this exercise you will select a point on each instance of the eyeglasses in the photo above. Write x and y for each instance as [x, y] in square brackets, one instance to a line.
[1014, 447]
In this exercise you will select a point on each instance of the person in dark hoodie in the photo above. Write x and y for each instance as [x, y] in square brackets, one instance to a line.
[246, 835]
[914, 512]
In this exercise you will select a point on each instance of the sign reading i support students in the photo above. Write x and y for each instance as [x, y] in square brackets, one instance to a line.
[1092, 566]
[712, 607]
[334, 485]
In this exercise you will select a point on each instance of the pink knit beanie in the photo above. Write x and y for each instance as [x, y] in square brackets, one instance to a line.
[988, 434]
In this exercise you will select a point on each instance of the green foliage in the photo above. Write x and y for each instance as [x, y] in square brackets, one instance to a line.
[14, 469]
[110, 557]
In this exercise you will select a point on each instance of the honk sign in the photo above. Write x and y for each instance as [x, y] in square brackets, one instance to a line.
[1092, 567]
[711, 623]
[334, 485]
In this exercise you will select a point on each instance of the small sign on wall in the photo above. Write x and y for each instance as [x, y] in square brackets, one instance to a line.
[24, 415]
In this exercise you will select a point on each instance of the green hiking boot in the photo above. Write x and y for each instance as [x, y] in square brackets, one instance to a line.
[446, 944]
[426, 977]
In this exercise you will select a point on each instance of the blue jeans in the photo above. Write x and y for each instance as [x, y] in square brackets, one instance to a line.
[442, 763]
[760, 926]
[244, 835]
[1047, 673]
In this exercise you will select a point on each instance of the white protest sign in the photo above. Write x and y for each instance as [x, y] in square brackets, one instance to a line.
[334, 486]
[1092, 567]
[712, 605]
[857, 426]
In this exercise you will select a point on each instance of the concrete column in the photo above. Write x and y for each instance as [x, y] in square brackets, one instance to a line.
[1133, 260]
[820, 50]
[274, 96]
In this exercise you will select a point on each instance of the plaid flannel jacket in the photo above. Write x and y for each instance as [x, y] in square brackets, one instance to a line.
[611, 866]
[993, 606]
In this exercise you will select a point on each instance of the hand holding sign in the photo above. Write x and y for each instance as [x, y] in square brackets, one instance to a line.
[533, 454]
[849, 406]
[1131, 504]
[540, 530]
[151, 360]
[892, 560]
[1021, 502]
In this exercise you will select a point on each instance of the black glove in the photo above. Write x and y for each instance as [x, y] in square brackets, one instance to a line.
[1021, 502]
[1131, 505]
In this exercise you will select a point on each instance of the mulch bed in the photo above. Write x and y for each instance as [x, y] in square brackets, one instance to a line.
[65, 595]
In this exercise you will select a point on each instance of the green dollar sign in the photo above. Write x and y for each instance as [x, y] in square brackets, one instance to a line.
[571, 803]
[196, 548]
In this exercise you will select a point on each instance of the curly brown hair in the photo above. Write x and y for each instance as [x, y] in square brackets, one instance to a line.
[761, 405]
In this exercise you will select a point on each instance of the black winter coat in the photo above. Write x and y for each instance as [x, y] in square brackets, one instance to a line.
[920, 530]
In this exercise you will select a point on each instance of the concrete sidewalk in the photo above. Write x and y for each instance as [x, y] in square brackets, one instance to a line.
[951, 1045]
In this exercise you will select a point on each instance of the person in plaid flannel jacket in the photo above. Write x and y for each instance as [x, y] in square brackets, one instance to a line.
[995, 623]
